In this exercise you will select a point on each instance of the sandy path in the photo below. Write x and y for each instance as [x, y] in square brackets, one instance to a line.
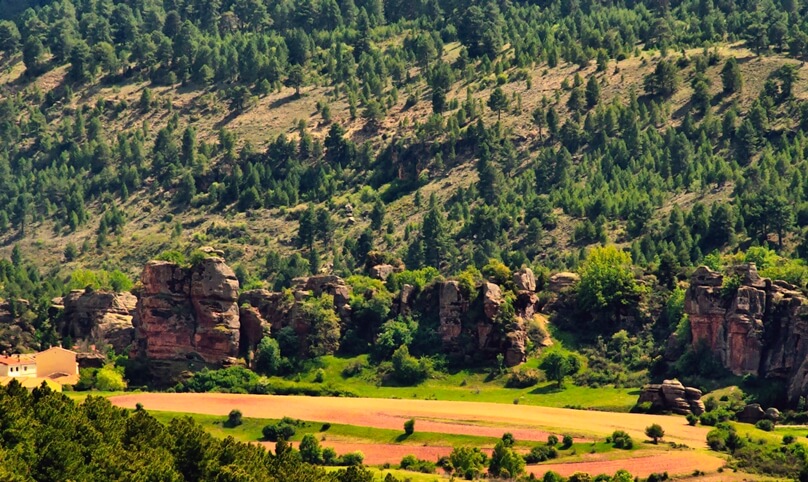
[470, 418]
[674, 463]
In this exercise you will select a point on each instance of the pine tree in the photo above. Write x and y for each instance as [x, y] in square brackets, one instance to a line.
[498, 102]
[731, 76]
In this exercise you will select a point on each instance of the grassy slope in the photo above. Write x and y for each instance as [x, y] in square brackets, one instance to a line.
[149, 230]
[474, 386]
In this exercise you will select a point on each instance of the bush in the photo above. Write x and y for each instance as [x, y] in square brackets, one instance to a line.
[409, 427]
[566, 442]
[352, 369]
[765, 424]
[319, 375]
[278, 431]
[621, 440]
[353, 458]
[412, 463]
[715, 417]
[233, 419]
[788, 439]
[692, 420]
[655, 432]
[552, 440]
[522, 378]
[110, 379]
[540, 454]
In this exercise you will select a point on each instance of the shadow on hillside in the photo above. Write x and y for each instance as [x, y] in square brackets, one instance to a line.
[402, 437]
[547, 390]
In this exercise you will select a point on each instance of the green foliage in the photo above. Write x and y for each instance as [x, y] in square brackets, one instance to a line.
[655, 432]
[324, 337]
[541, 453]
[566, 442]
[621, 440]
[412, 463]
[310, 450]
[179, 450]
[100, 280]
[765, 424]
[505, 462]
[407, 370]
[110, 379]
[607, 281]
[409, 427]
[415, 278]
[268, 359]
[278, 431]
[558, 364]
[234, 419]
[467, 462]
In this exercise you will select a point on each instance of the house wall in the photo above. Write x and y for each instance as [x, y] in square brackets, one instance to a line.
[21, 370]
[56, 360]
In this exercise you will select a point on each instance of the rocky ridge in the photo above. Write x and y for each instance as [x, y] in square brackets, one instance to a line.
[760, 328]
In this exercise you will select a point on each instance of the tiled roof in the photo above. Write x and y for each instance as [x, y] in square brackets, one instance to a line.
[16, 360]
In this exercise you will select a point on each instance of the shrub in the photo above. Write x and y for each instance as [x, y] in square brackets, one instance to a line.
[692, 420]
[319, 375]
[409, 426]
[552, 440]
[655, 432]
[765, 424]
[566, 442]
[110, 379]
[788, 439]
[278, 431]
[352, 369]
[412, 463]
[233, 419]
[621, 440]
[353, 458]
[522, 378]
[540, 454]
[310, 450]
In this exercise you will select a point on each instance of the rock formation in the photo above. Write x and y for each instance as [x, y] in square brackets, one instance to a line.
[187, 318]
[759, 329]
[17, 333]
[562, 281]
[524, 280]
[100, 318]
[672, 396]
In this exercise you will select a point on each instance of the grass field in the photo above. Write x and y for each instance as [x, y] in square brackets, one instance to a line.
[471, 386]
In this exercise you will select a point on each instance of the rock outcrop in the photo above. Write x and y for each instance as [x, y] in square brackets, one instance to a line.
[672, 396]
[524, 280]
[562, 281]
[17, 333]
[187, 318]
[760, 328]
[100, 318]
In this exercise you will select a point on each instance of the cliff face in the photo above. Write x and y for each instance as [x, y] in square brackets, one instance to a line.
[187, 317]
[100, 318]
[760, 329]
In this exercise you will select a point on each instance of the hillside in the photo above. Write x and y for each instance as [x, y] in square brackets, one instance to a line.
[245, 193]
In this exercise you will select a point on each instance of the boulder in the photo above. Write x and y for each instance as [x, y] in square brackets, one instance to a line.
[672, 396]
[492, 300]
[772, 414]
[562, 281]
[382, 271]
[253, 328]
[515, 345]
[524, 280]
[751, 413]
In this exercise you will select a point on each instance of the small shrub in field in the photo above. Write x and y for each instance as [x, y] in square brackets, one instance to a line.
[413, 463]
[622, 440]
[353, 369]
[655, 432]
[522, 378]
[326, 426]
[766, 425]
[319, 376]
[788, 439]
[566, 442]
[552, 440]
[353, 458]
[278, 431]
[692, 420]
[540, 454]
[233, 419]
[409, 426]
